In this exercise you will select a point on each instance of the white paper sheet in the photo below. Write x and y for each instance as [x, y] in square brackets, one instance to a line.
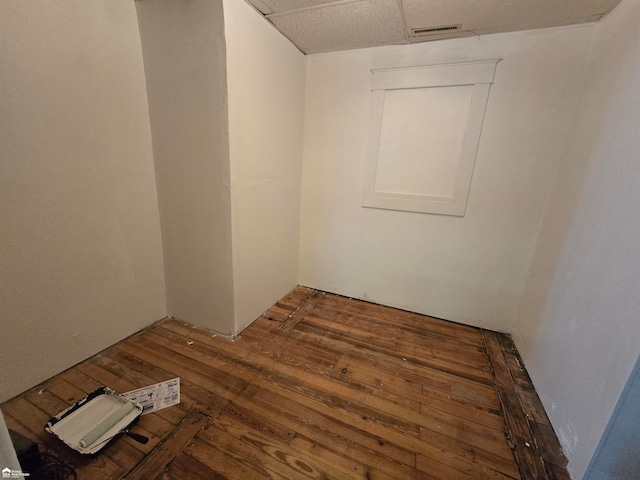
[156, 397]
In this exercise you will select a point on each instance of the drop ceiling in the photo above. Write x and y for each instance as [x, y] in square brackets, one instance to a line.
[330, 25]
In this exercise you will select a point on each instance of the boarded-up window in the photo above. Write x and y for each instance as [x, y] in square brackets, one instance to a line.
[423, 136]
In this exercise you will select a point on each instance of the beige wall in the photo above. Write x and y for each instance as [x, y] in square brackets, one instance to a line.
[578, 327]
[469, 269]
[184, 55]
[80, 254]
[266, 111]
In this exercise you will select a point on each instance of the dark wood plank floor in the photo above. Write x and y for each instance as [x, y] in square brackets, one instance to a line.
[320, 386]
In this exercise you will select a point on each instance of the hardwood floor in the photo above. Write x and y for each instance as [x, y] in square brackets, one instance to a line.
[320, 386]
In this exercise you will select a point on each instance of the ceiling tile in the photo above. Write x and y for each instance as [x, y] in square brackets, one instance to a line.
[279, 6]
[345, 25]
[502, 15]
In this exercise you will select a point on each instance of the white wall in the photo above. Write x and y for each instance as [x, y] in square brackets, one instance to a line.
[80, 254]
[183, 43]
[266, 75]
[578, 327]
[470, 269]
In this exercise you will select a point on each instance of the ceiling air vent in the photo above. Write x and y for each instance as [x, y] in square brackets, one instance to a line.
[418, 32]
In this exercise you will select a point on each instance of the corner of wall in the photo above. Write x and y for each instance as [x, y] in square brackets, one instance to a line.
[265, 159]
[184, 55]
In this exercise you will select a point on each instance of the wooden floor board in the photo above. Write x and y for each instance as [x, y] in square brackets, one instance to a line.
[467, 388]
[387, 344]
[225, 463]
[474, 354]
[185, 466]
[152, 465]
[421, 325]
[331, 430]
[320, 386]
